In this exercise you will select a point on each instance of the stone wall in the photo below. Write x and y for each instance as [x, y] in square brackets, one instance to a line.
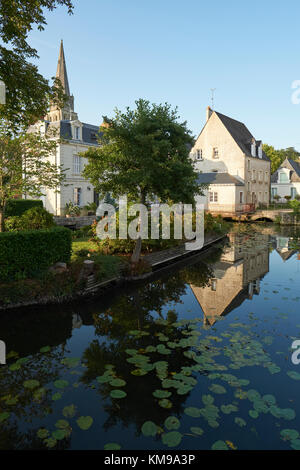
[78, 222]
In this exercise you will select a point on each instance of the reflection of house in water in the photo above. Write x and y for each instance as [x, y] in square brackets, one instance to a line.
[236, 277]
[283, 248]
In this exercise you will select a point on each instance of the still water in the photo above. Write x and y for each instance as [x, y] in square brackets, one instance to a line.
[199, 357]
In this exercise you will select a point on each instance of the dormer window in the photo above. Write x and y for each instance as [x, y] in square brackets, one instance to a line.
[283, 177]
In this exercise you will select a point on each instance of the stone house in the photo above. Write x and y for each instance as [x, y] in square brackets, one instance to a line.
[77, 137]
[233, 165]
[286, 180]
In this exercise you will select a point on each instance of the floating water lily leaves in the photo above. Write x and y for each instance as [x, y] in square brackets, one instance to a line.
[207, 399]
[149, 429]
[62, 424]
[227, 409]
[45, 349]
[61, 384]
[117, 383]
[172, 438]
[289, 434]
[112, 446]
[139, 372]
[105, 378]
[70, 361]
[60, 434]
[42, 433]
[172, 423]
[165, 403]
[84, 422]
[240, 422]
[295, 444]
[253, 414]
[215, 388]
[118, 394]
[56, 396]
[293, 375]
[219, 445]
[197, 430]
[50, 442]
[193, 412]
[161, 394]
[31, 384]
[69, 411]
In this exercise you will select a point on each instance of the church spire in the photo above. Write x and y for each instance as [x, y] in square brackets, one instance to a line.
[61, 71]
[67, 112]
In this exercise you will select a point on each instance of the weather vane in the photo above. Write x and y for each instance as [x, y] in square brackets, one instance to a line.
[212, 97]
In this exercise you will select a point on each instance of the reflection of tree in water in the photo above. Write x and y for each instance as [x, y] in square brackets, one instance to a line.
[27, 404]
[133, 312]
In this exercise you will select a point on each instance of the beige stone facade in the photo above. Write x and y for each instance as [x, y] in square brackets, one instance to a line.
[225, 146]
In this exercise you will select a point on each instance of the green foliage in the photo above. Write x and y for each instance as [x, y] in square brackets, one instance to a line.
[72, 209]
[295, 205]
[278, 156]
[144, 153]
[37, 218]
[19, 206]
[30, 253]
[28, 92]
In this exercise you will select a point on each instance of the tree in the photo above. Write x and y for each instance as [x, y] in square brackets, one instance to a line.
[25, 167]
[144, 153]
[278, 156]
[28, 92]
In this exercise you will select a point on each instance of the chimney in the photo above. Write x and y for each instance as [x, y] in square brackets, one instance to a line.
[260, 150]
[253, 147]
[209, 112]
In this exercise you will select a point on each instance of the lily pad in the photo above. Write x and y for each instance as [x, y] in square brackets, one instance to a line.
[61, 384]
[240, 422]
[293, 375]
[60, 434]
[69, 411]
[165, 403]
[117, 383]
[149, 429]
[196, 430]
[118, 394]
[4, 416]
[219, 445]
[31, 384]
[42, 433]
[161, 394]
[112, 446]
[172, 423]
[172, 439]
[289, 434]
[84, 422]
[193, 412]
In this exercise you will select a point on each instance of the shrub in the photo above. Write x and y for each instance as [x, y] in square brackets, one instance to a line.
[17, 207]
[37, 218]
[13, 224]
[30, 253]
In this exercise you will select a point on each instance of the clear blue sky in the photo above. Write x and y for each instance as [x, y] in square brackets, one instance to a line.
[169, 50]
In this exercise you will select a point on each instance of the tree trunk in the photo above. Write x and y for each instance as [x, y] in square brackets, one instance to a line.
[2, 228]
[138, 245]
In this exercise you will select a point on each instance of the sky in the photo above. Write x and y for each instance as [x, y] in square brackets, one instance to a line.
[118, 51]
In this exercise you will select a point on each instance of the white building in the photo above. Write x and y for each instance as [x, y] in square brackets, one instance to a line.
[233, 164]
[286, 180]
[77, 138]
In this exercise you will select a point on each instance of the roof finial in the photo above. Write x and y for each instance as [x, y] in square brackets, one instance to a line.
[212, 98]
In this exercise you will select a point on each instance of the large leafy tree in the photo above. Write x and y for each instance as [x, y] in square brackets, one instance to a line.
[278, 156]
[28, 92]
[144, 153]
[25, 167]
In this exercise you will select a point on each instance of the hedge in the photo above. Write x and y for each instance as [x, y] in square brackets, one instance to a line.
[28, 254]
[19, 206]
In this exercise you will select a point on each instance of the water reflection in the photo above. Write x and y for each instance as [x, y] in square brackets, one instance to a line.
[139, 335]
[236, 276]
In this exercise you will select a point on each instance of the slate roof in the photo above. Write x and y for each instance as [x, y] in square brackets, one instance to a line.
[218, 178]
[291, 165]
[89, 131]
[240, 134]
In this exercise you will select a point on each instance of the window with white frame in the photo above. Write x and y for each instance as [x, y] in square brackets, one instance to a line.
[76, 164]
[273, 192]
[77, 196]
[213, 196]
[293, 193]
[241, 197]
[76, 133]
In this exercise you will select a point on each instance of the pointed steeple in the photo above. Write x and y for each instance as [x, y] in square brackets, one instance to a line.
[67, 112]
[61, 71]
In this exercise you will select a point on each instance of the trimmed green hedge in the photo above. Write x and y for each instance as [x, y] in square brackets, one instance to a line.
[30, 253]
[19, 206]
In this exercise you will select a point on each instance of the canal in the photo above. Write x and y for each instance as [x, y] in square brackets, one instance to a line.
[198, 357]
